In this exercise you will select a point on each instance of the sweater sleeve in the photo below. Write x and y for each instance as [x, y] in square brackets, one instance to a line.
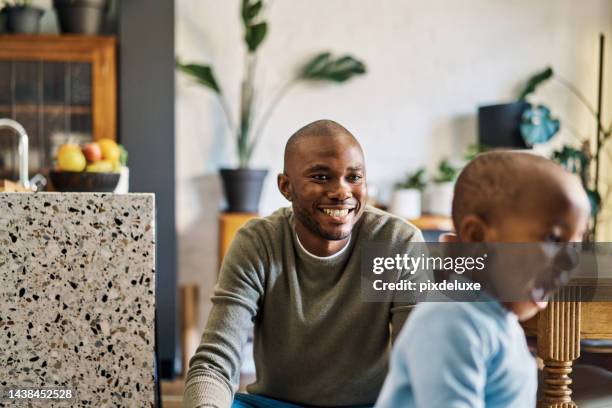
[214, 370]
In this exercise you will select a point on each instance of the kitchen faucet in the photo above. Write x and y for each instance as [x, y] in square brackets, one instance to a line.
[23, 149]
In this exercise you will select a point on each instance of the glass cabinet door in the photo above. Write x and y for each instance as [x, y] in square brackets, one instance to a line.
[52, 100]
[62, 89]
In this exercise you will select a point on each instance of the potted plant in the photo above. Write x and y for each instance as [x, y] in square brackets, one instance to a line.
[243, 185]
[21, 17]
[406, 198]
[439, 194]
[500, 125]
[80, 16]
[585, 157]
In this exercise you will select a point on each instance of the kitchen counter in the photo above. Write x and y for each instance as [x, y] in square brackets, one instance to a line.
[77, 296]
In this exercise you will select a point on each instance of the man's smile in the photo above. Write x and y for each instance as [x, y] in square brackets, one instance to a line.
[339, 214]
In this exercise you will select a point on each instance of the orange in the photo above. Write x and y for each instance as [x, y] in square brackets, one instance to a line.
[110, 150]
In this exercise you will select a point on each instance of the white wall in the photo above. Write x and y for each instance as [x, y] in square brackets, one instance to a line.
[430, 64]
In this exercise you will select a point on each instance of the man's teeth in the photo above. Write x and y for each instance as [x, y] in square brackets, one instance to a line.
[336, 213]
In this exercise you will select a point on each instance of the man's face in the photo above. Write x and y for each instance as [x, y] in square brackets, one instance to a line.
[325, 181]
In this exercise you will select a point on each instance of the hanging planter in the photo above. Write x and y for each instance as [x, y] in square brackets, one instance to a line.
[80, 16]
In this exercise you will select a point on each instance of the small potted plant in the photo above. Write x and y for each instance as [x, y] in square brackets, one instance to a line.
[243, 185]
[80, 16]
[500, 125]
[439, 194]
[406, 198]
[21, 17]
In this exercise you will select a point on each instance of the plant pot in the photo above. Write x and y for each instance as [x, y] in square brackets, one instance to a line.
[439, 198]
[406, 203]
[242, 189]
[80, 16]
[22, 20]
[499, 125]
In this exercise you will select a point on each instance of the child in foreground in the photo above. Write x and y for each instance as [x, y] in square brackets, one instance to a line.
[474, 354]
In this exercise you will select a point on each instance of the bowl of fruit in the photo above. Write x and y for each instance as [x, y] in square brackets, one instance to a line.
[93, 167]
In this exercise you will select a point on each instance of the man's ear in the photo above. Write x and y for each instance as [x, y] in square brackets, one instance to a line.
[284, 186]
[473, 229]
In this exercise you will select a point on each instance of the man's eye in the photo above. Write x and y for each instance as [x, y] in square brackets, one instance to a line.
[355, 178]
[320, 177]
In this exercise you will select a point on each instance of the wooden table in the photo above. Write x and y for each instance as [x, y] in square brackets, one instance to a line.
[559, 329]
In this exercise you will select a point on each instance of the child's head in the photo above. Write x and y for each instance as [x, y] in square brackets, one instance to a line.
[517, 197]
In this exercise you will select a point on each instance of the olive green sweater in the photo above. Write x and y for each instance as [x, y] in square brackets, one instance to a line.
[316, 342]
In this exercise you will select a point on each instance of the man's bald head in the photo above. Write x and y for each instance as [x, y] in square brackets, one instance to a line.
[497, 183]
[321, 128]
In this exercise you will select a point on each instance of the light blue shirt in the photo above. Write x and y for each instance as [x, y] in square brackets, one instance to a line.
[460, 355]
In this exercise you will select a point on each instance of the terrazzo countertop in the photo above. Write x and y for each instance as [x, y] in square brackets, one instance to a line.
[77, 282]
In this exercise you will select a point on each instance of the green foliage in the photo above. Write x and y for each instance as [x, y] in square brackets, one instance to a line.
[446, 172]
[474, 150]
[203, 74]
[535, 81]
[572, 159]
[248, 129]
[254, 31]
[323, 67]
[579, 163]
[582, 162]
[123, 157]
[415, 180]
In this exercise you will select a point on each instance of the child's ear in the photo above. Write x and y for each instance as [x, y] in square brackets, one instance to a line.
[473, 229]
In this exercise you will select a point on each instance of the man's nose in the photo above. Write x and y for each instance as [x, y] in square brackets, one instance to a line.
[340, 191]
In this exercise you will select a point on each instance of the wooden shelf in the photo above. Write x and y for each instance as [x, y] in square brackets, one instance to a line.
[433, 223]
[51, 109]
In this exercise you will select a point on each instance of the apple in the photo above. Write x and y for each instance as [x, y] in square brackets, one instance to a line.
[92, 152]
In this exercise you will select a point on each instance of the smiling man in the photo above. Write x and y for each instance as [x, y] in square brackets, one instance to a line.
[296, 276]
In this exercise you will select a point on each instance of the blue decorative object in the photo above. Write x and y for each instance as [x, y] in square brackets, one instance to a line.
[537, 126]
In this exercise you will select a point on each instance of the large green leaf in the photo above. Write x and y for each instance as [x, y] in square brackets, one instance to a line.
[595, 201]
[315, 65]
[254, 35]
[323, 67]
[203, 74]
[250, 10]
[535, 81]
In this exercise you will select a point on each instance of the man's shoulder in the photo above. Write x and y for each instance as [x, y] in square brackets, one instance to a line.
[379, 225]
[268, 227]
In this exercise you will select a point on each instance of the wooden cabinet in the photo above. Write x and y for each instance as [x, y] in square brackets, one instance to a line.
[61, 88]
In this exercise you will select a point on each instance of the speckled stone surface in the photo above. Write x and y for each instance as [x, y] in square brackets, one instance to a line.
[77, 282]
